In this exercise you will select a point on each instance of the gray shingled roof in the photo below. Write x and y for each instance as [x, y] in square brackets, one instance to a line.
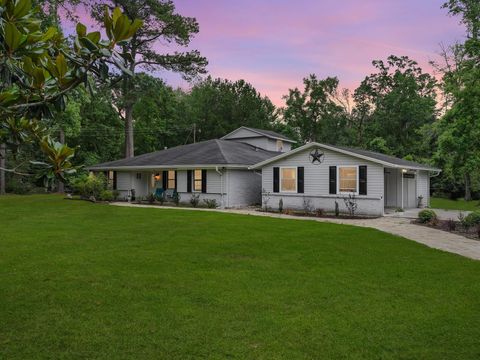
[210, 152]
[385, 158]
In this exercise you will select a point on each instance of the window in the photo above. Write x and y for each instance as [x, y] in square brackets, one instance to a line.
[347, 179]
[279, 145]
[197, 180]
[288, 179]
[171, 179]
[139, 176]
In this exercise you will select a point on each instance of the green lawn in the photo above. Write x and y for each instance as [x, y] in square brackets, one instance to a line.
[79, 280]
[460, 204]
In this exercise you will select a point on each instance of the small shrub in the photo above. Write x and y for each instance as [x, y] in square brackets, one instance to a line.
[319, 212]
[399, 209]
[116, 194]
[337, 209]
[89, 186]
[280, 205]
[471, 220]
[451, 225]
[160, 198]
[17, 186]
[194, 200]
[106, 195]
[427, 216]
[351, 204]
[150, 198]
[307, 205]
[478, 231]
[265, 199]
[211, 203]
[176, 198]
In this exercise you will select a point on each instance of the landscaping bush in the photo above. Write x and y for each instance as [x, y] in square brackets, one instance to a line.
[451, 225]
[319, 212]
[106, 195]
[150, 198]
[427, 216]
[194, 200]
[211, 203]
[280, 205]
[17, 186]
[472, 219]
[176, 198]
[88, 186]
[116, 194]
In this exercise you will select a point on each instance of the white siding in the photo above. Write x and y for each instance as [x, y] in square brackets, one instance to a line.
[423, 186]
[244, 188]
[182, 181]
[316, 183]
[242, 133]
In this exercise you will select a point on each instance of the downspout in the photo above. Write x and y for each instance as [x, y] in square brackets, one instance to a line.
[221, 185]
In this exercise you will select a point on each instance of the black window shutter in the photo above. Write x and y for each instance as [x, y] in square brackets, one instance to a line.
[189, 181]
[114, 180]
[362, 180]
[175, 180]
[204, 181]
[300, 179]
[164, 179]
[333, 180]
[276, 179]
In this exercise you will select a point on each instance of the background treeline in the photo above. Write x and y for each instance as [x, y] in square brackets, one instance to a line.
[398, 109]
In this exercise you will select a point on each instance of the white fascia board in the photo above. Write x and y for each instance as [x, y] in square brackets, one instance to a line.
[342, 151]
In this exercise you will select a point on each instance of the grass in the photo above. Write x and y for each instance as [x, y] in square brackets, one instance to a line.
[460, 204]
[79, 280]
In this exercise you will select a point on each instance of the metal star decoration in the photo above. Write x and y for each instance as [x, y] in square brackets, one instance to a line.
[316, 157]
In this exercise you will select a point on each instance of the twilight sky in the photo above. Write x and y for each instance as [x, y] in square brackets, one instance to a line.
[273, 44]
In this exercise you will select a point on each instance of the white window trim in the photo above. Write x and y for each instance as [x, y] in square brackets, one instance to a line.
[193, 181]
[338, 180]
[280, 180]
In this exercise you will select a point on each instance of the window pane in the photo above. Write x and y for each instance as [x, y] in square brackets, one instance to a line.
[197, 180]
[288, 179]
[171, 179]
[347, 179]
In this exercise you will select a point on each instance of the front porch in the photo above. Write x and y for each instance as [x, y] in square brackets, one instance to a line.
[405, 189]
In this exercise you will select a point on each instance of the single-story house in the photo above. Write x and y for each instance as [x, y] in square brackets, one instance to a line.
[252, 166]
[318, 175]
[214, 169]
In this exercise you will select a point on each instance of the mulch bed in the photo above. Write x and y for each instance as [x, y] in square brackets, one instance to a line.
[454, 227]
[320, 215]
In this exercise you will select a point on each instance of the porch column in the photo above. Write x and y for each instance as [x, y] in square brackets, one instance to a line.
[401, 174]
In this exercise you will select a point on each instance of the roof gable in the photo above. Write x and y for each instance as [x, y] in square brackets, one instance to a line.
[248, 132]
[386, 160]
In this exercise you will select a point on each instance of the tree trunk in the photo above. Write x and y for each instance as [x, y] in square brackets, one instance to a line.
[61, 185]
[129, 149]
[468, 189]
[3, 165]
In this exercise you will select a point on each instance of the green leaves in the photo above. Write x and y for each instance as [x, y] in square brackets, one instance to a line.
[12, 36]
[118, 27]
[22, 8]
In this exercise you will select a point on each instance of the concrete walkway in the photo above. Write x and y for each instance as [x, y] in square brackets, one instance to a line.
[441, 214]
[400, 226]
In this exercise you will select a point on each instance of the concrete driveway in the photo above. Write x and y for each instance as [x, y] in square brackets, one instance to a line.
[413, 214]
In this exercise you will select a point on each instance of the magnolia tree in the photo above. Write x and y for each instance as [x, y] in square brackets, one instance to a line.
[39, 68]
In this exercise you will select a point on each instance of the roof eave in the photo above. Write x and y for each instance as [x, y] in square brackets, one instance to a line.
[158, 167]
[315, 144]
